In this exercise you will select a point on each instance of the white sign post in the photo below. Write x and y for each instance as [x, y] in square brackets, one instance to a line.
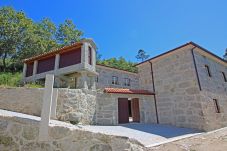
[46, 108]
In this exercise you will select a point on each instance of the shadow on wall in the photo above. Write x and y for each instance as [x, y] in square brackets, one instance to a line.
[166, 131]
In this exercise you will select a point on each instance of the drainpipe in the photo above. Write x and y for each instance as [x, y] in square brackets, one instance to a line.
[196, 69]
[155, 99]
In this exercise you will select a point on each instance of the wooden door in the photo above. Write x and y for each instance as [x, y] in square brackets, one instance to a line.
[135, 110]
[123, 111]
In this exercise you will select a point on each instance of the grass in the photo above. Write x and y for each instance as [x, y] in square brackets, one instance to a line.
[8, 79]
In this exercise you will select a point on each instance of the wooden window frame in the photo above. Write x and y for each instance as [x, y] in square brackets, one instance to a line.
[224, 76]
[127, 82]
[208, 70]
[216, 105]
[115, 80]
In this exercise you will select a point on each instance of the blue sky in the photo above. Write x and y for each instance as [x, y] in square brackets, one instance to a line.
[122, 27]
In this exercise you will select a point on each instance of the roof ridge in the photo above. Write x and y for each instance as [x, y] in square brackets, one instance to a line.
[181, 46]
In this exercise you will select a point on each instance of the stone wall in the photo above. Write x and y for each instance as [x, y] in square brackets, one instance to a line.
[105, 78]
[107, 108]
[177, 91]
[76, 105]
[213, 87]
[21, 134]
[24, 100]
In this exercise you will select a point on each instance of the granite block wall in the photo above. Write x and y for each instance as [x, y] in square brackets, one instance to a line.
[105, 78]
[177, 91]
[213, 87]
[107, 108]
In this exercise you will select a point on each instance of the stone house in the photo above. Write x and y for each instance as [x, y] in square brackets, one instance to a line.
[185, 87]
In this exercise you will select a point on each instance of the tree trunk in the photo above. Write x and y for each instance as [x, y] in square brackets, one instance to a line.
[4, 61]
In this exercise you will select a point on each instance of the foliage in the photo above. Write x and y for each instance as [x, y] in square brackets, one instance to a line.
[10, 79]
[67, 33]
[142, 55]
[33, 85]
[119, 63]
[20, 37]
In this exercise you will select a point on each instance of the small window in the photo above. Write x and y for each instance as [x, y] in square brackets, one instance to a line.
[90, 56]
[97, 79]
[224, 76]
[216, 105]
[114, 80]
[208, 70]
[127, 82]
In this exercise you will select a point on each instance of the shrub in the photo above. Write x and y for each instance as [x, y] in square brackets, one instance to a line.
[10, 79]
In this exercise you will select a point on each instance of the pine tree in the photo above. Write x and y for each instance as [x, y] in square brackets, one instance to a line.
[142, 55]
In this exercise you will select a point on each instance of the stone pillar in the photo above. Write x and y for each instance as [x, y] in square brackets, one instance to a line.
[93, 83]
[24, 71]
[94, 59]
[56, 65]
[82, 81]
[84, 54]
[54, 103]
[35, 67]
[46, 108]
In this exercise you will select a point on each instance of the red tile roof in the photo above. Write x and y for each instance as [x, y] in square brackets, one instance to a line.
[127, 91]
[53, 52]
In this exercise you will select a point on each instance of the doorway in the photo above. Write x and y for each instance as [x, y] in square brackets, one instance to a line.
[128, 110]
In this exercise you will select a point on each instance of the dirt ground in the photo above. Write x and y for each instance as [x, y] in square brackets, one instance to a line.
[211, 141]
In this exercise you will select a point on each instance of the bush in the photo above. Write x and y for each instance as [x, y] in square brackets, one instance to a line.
[10, 79]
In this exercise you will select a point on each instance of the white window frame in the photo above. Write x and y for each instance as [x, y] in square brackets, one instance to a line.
[115, 80]
[127, 82]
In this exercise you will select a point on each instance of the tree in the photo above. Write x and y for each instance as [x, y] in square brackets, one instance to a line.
[119, 63]
[98, 57]
[21, 37]
[67, 33]
[12, 26]
[225, 55]
[142, 55]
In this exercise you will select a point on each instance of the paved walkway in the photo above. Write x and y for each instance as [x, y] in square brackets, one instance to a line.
[147, 134]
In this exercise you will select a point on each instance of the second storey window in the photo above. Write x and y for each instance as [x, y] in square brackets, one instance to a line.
[224, 76]
[114, 80]
[208, 70]
[127, 82]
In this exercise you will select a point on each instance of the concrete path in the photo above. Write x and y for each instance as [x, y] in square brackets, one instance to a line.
[147, 134]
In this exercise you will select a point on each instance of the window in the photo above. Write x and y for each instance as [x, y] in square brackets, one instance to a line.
[114, 80]
[224, 77]
[127, 82]
[97, 79]
[208, 70]
[90, 56]
[216, 105]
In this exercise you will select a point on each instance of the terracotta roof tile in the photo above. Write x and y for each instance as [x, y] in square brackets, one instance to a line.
[127, 91]
[52, 52]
